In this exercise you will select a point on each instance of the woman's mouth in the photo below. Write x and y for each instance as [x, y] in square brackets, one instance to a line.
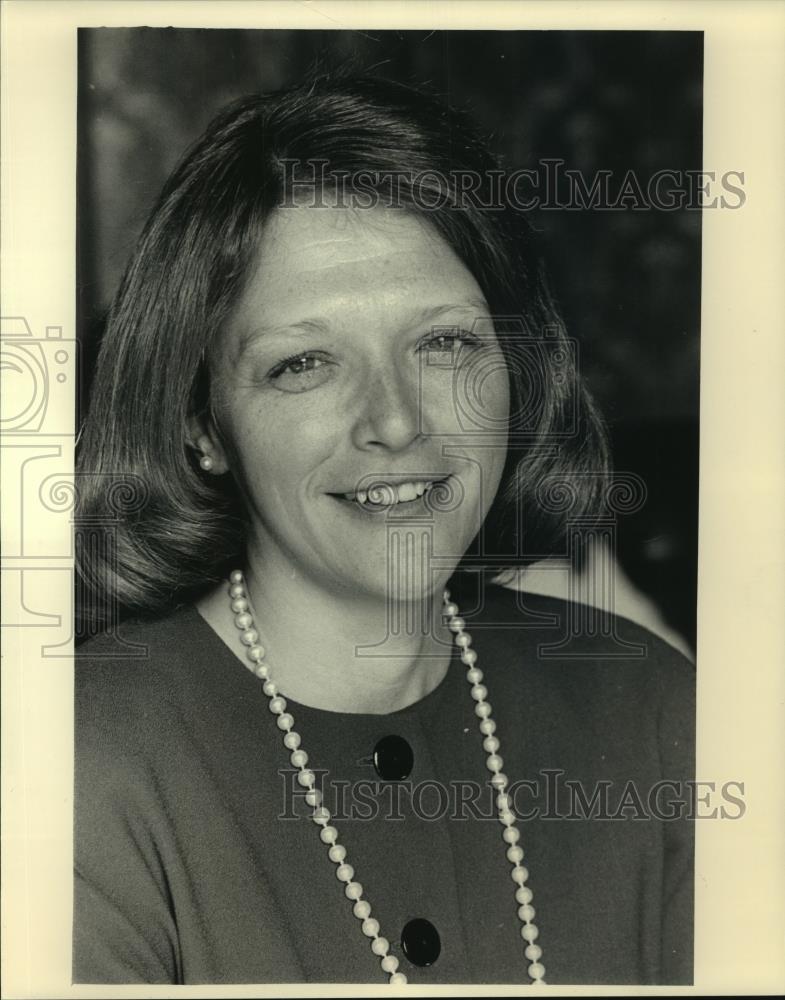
[380, 495]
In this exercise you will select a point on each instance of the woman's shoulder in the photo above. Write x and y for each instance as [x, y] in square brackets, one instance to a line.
[583, 648]
[140, 669]
[577, 663]
[486, 603]
[138, 643]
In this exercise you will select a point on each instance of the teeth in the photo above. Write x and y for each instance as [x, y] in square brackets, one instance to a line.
[385, 494]
[406, 491]
[381, 494]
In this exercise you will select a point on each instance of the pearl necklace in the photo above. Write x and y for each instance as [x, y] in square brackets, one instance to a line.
[353, 890]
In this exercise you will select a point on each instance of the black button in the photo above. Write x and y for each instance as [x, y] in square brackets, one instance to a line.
[393, 758]
[420, 942]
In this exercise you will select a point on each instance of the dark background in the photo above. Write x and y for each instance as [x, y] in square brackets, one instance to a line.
[628, 281]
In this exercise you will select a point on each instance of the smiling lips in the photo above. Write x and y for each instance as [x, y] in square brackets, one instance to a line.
[386, 494]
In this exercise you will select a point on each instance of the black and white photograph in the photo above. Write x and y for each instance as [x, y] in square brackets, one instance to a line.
[391, 376]
[398, 600]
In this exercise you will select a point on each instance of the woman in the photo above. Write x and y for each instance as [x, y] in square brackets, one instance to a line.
[337, 385]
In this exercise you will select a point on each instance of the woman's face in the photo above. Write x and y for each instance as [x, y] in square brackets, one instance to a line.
[361, 352]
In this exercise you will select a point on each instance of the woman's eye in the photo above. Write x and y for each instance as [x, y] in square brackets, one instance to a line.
[300, 365]
[299, 372]
[445, 340]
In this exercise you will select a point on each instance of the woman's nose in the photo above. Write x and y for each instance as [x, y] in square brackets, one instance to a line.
[388, 413]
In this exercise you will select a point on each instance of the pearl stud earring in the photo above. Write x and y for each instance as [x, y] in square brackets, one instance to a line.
[206, 463]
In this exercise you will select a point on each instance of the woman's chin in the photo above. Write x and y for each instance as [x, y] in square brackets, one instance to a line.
[410, 584]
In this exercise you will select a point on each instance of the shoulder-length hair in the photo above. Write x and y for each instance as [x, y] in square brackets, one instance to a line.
[152, 529]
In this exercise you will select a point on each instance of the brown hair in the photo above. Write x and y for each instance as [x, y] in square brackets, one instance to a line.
[178, 530]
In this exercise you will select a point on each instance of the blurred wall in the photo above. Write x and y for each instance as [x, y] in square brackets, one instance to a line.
[628, 281]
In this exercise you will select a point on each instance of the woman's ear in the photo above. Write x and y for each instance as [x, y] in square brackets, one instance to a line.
[202, 437]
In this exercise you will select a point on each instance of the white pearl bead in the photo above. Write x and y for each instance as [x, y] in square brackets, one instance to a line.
[353, 890]
[344, 873]
[380, 946]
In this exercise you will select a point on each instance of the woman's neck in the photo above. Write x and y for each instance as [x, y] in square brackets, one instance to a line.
[339, 651]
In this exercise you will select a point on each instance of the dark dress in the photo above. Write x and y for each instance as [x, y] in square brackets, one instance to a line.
[196, 861]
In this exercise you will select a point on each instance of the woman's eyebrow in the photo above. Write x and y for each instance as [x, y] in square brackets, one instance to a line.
[303, 326]
[477, 307]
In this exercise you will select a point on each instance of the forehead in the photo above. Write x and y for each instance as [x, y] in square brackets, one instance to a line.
[328, 259]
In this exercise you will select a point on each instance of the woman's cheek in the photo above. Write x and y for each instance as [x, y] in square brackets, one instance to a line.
[475, 401]
[442, 408]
